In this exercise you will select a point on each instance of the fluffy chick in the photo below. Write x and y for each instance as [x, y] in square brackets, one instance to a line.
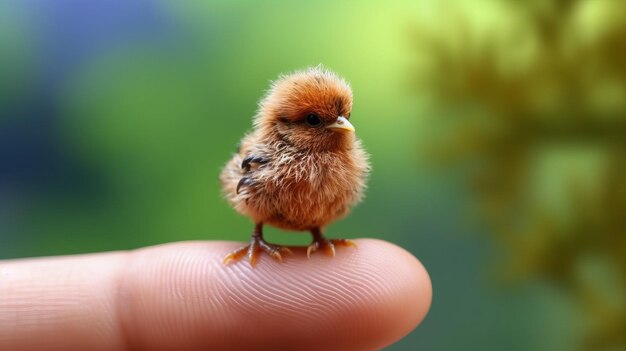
[302, 166]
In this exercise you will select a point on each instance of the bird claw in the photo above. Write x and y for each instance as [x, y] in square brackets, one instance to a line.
[328, 245]
[236, 255]
[254, 249]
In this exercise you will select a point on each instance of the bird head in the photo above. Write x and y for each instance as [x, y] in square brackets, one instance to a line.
[309, 109]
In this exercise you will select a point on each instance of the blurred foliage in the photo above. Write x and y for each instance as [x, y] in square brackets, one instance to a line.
[530, 103]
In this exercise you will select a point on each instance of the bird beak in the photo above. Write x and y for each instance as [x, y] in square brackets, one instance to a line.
[341, 125]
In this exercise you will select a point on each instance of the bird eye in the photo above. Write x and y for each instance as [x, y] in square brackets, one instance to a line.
[313, 120]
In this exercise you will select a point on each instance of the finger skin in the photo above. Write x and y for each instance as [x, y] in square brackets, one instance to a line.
[181, 297]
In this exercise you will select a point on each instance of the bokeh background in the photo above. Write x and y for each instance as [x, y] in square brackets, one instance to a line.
[497, 131]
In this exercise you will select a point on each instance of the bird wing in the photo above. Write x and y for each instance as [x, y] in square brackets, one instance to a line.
[248, 166]
[253, 156]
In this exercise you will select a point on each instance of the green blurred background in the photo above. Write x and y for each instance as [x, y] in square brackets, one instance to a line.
[497, 131]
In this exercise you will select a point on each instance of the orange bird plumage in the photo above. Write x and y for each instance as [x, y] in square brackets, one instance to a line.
[302, 166]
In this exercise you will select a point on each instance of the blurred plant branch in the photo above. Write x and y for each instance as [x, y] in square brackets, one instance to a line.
[532, 96]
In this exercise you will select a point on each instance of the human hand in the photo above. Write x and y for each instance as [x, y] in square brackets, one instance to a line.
[181, 297]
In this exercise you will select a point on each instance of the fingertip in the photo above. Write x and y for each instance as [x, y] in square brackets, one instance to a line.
[407, 285]
[183, 296]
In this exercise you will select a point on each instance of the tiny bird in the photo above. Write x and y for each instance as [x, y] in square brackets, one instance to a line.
[302, 166]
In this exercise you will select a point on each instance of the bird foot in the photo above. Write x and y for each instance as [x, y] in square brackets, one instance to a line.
[328, 245]
[254, 249]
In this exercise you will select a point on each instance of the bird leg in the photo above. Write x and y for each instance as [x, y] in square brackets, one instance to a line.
[256, 246]
[328, 245]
